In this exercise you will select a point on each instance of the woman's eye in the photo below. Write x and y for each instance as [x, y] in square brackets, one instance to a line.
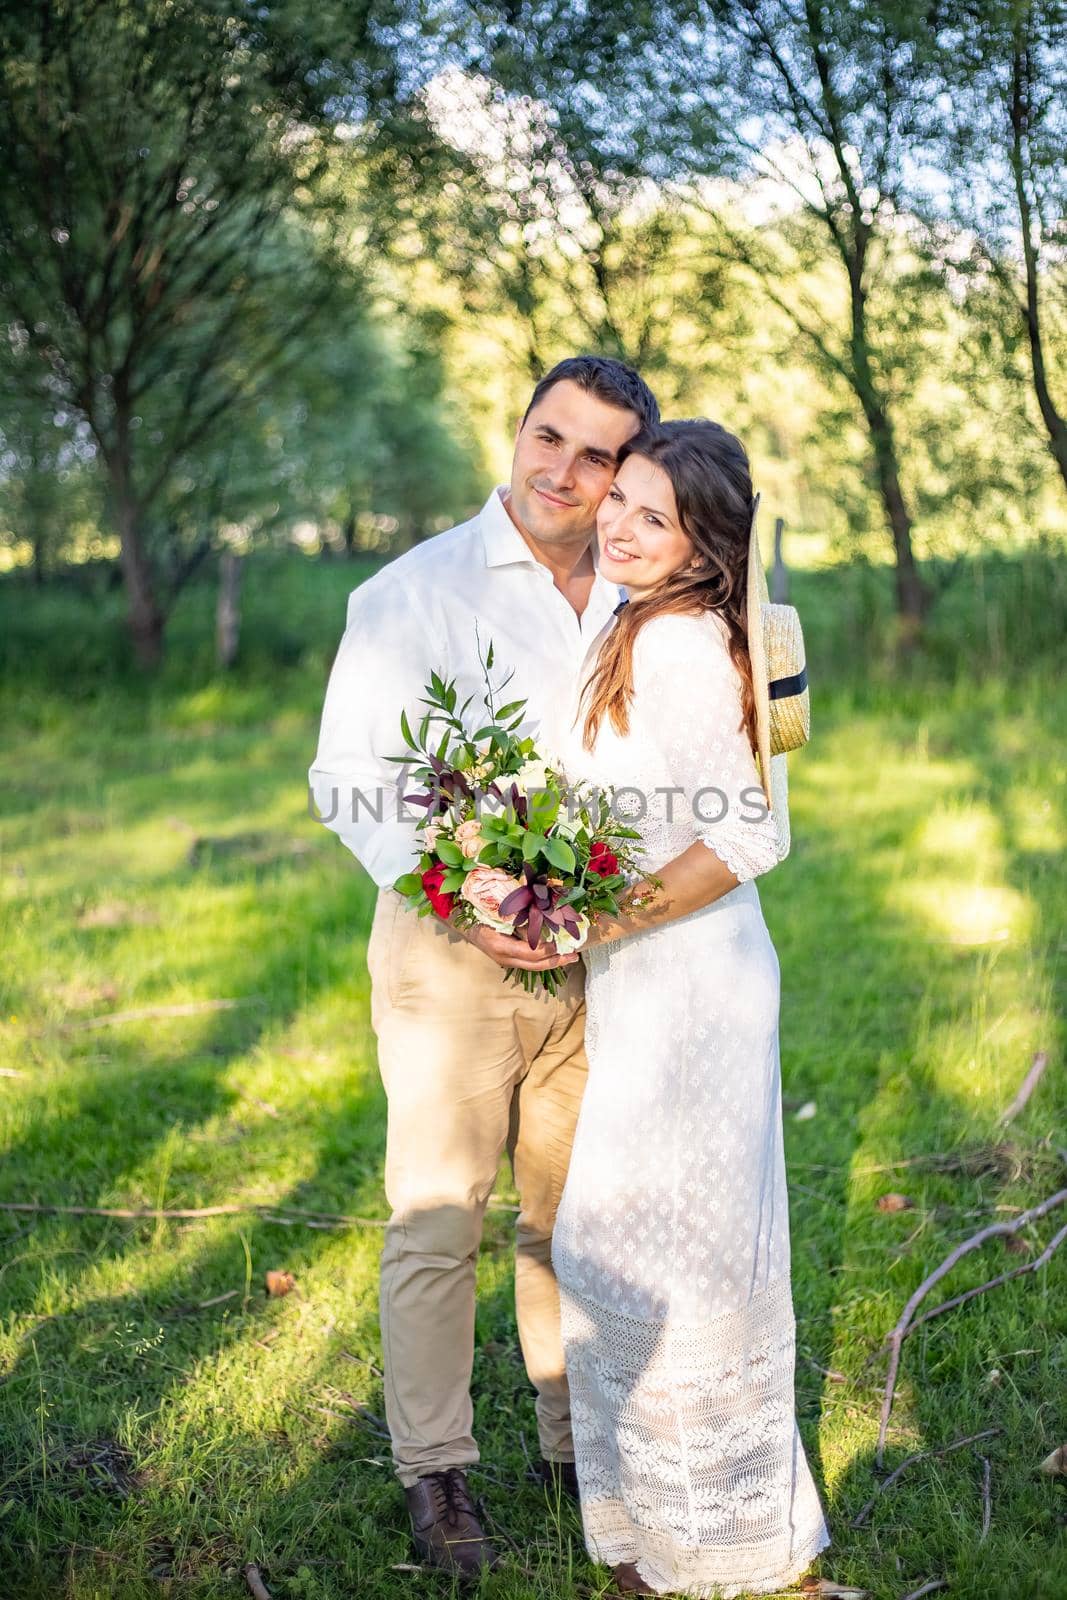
[656, 523]
[613, 494]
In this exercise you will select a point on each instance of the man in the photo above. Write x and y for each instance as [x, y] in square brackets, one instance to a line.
[472, 1064]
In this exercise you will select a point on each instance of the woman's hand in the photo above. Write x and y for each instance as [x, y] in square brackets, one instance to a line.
[638, 899]
[508, 951]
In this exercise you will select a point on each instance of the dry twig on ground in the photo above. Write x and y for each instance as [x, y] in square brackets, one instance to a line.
[920, 1455]
[1026, 1088]
[899, 1333]
[251, 1574]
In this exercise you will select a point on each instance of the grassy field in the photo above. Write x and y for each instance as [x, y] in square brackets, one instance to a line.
[163, 1420]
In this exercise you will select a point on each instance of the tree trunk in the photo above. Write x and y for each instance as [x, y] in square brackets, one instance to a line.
[913, 597]
[228, 614]
[40, 544]
[779, 571]
[348, 533]
[144, 614]
[1055, 425]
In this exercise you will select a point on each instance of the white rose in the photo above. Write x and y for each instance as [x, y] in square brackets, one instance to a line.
[531, 775]
[566, 943]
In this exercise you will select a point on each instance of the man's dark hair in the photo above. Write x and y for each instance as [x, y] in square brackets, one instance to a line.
[606, 379]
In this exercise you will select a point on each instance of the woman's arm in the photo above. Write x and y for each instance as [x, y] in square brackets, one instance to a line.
[687, 693]
[689, 883]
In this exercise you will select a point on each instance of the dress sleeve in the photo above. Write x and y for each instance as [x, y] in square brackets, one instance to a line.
[687, 694]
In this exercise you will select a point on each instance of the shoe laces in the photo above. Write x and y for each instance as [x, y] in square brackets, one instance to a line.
[451, 1495]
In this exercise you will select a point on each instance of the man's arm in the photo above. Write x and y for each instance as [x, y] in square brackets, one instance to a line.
[382, 666]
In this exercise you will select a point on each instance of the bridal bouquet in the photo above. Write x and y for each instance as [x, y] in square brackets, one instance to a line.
[504, 840]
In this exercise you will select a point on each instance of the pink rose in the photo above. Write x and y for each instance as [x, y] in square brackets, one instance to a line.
[484, 888]
[469, 838]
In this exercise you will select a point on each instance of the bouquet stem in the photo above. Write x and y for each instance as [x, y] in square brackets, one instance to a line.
[550, 978]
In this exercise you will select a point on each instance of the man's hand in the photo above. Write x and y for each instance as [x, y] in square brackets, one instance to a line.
[507, 951]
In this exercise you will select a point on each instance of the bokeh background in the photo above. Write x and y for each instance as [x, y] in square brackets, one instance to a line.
[275, 283]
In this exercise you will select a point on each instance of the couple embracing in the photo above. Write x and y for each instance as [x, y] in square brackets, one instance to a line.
[619, 579]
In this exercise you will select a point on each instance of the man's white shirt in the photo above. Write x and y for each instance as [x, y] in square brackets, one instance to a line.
[436, 609]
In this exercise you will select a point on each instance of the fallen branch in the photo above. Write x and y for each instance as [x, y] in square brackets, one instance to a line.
[827, 1372]
[310, 1219]
[251, 1575]
[189, 1008]
[286, 1219]
[920, 1455]
[1026, 1088]
[202, 1305]
[987, 1498]
[926, 1588]
[1003, 1277]
[896, 1338]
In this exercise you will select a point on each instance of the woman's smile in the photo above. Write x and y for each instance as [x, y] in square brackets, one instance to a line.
[617, 553]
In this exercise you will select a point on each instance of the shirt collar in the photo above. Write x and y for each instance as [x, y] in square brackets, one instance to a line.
[505, 545]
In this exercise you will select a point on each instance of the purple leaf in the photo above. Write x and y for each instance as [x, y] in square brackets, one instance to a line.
[517, 900]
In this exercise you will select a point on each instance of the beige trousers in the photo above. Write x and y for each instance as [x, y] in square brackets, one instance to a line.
[472, 1066]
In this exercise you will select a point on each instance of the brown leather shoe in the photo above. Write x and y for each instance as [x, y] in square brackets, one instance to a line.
[629, 1581]
[558, 1477]
[446, 1527]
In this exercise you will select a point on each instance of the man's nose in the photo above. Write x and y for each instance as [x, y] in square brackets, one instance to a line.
[561, 473]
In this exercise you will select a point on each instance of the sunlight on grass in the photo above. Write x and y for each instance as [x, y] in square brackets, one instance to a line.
[962, 913]
[158, 852]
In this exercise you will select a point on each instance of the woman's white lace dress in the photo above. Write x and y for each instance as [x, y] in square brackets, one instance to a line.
[672, 1241]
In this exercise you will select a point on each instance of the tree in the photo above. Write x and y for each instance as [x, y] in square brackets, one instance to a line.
[998, 135]
[517, 173]
[156, 153]
[812, 101]
[818, 101]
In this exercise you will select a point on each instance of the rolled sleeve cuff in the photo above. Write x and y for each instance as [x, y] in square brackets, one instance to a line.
[385, 849]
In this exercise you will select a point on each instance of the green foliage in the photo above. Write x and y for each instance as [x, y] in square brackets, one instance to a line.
[157, 852]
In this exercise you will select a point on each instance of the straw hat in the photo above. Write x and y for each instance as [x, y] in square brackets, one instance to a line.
[779, 682]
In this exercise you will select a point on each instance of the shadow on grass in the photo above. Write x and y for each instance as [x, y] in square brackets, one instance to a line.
[876, 998]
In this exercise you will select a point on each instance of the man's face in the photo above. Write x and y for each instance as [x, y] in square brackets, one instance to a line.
[565, 457]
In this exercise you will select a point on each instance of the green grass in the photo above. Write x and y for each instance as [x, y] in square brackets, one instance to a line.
[156, 851]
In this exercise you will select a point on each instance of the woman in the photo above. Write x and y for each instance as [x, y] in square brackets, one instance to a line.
[672, 1241]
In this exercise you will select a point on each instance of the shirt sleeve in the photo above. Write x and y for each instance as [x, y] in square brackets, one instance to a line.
[382, 666]
[687, 692]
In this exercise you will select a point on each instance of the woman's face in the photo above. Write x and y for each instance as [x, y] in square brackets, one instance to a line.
[638, 530]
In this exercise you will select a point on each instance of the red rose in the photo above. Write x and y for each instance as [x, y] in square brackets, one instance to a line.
[602, 861]
[431, 882]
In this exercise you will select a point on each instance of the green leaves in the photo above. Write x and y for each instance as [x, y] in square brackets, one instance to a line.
[532, 845]
[560, 854]
[408, 884]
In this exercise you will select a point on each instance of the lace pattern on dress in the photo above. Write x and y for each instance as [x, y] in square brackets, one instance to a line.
[692, 1464]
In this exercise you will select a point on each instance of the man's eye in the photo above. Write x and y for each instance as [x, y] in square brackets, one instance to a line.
[596, 461]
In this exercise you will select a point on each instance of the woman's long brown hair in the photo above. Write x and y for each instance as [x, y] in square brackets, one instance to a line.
[709, 472]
